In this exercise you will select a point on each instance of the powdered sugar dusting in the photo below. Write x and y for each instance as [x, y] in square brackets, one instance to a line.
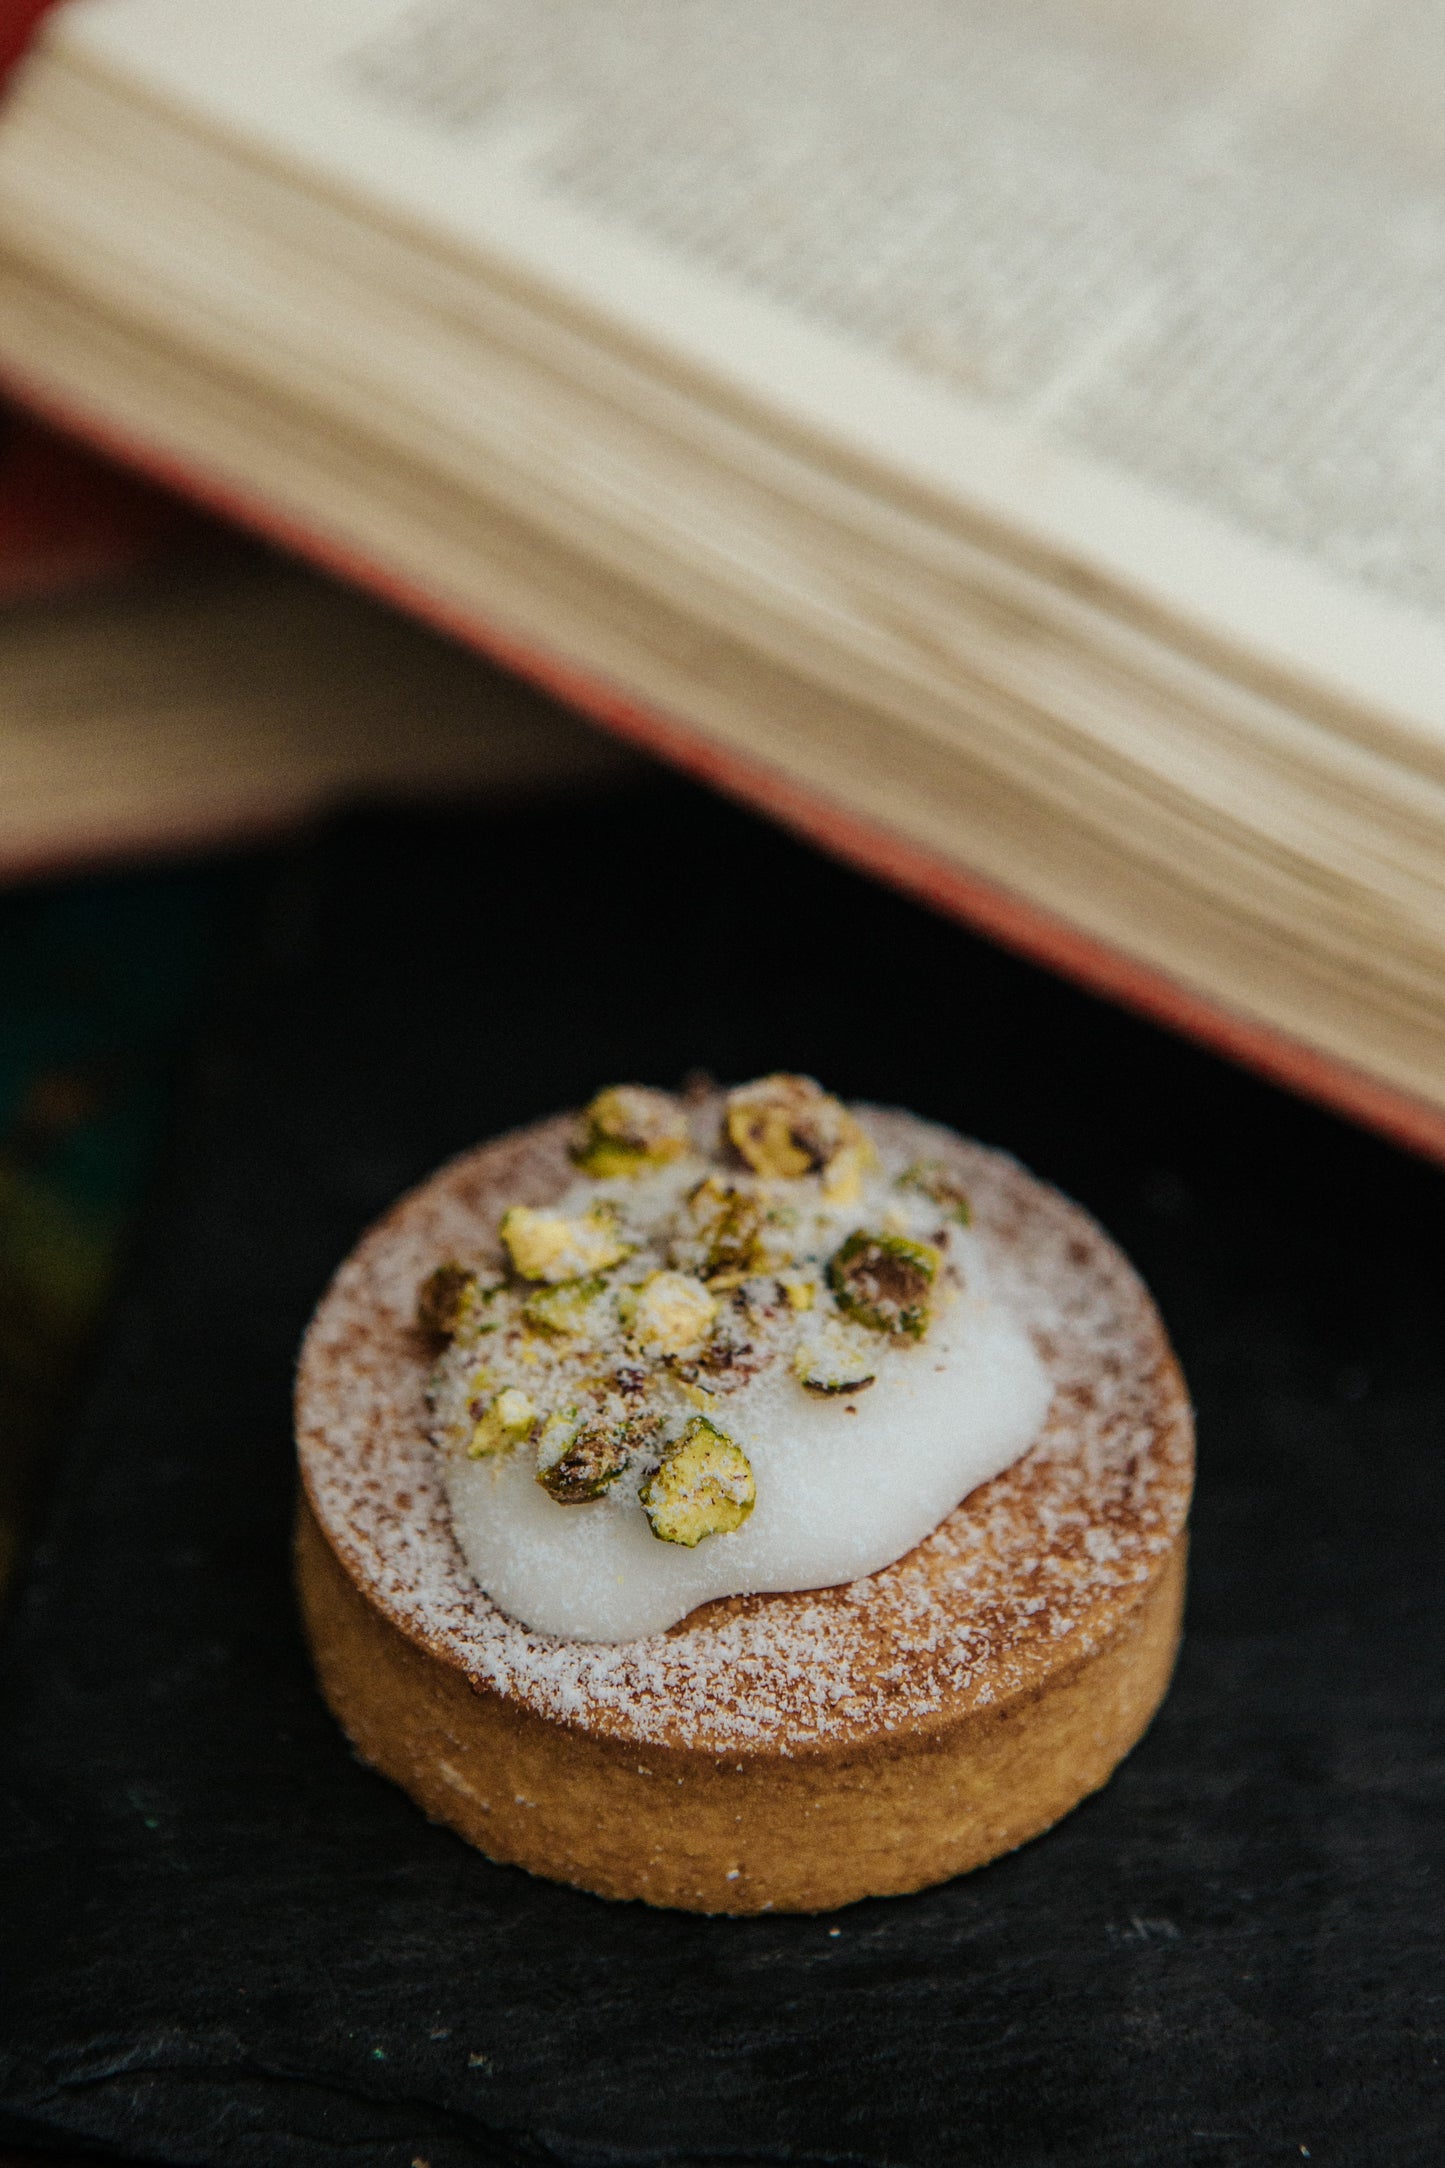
[1049, 1552]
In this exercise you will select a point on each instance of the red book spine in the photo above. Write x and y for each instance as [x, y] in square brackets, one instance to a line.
[66, 516]
[18, 19]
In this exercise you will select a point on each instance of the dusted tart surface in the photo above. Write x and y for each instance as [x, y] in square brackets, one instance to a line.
[727, 1288]
[1035, 1571]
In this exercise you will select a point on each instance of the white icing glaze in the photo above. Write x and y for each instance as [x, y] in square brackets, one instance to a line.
[843, 1489]
[845, 1484]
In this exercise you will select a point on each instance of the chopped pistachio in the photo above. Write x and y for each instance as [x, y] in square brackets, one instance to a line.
[670, 1313]
[834, 1360]
[549, 1246]
[703, 1487]
[627, 1129]
[730, 1358]
[726, 1239]
[801, 1294]
[578, 1461]
[556, 1434]
[934, 1181]
[447, 1299]
[884, 1281]
[564, 1311]
[784, 1126]
[508, 1422]
[844, 1173]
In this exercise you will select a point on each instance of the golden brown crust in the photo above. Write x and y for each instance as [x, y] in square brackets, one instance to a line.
[829, 1744]
[712, 1833]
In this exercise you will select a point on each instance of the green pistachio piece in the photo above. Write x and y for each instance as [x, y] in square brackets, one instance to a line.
[934, 1180]
[703, 1487]
[726, 1232]
[884, 1281]
[834, 1360]
[578, 1461]
[627, 1129]
[448, 1299]
[784, 1126]
[549, 1246]
[564, 1311]
[508, 1422]
[670, 1313]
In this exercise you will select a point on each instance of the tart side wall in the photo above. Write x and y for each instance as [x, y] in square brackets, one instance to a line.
[734, 1834]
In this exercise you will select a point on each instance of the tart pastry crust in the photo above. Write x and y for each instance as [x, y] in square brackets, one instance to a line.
[788, 1752]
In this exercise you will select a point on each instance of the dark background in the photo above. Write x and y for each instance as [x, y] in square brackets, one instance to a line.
[221, 1940]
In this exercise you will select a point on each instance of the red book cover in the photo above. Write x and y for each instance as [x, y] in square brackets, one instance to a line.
[17, 21]
[67, 517]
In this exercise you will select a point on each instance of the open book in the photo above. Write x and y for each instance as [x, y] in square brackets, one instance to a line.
[1006, 440]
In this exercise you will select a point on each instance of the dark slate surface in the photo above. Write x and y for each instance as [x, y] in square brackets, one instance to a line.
[221, 1940]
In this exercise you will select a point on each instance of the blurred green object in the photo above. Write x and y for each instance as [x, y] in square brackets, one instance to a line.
[98, 984]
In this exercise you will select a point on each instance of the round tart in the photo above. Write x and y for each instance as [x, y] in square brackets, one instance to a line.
[779, 1746]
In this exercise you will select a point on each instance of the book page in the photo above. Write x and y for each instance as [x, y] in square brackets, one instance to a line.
[1155, 284]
